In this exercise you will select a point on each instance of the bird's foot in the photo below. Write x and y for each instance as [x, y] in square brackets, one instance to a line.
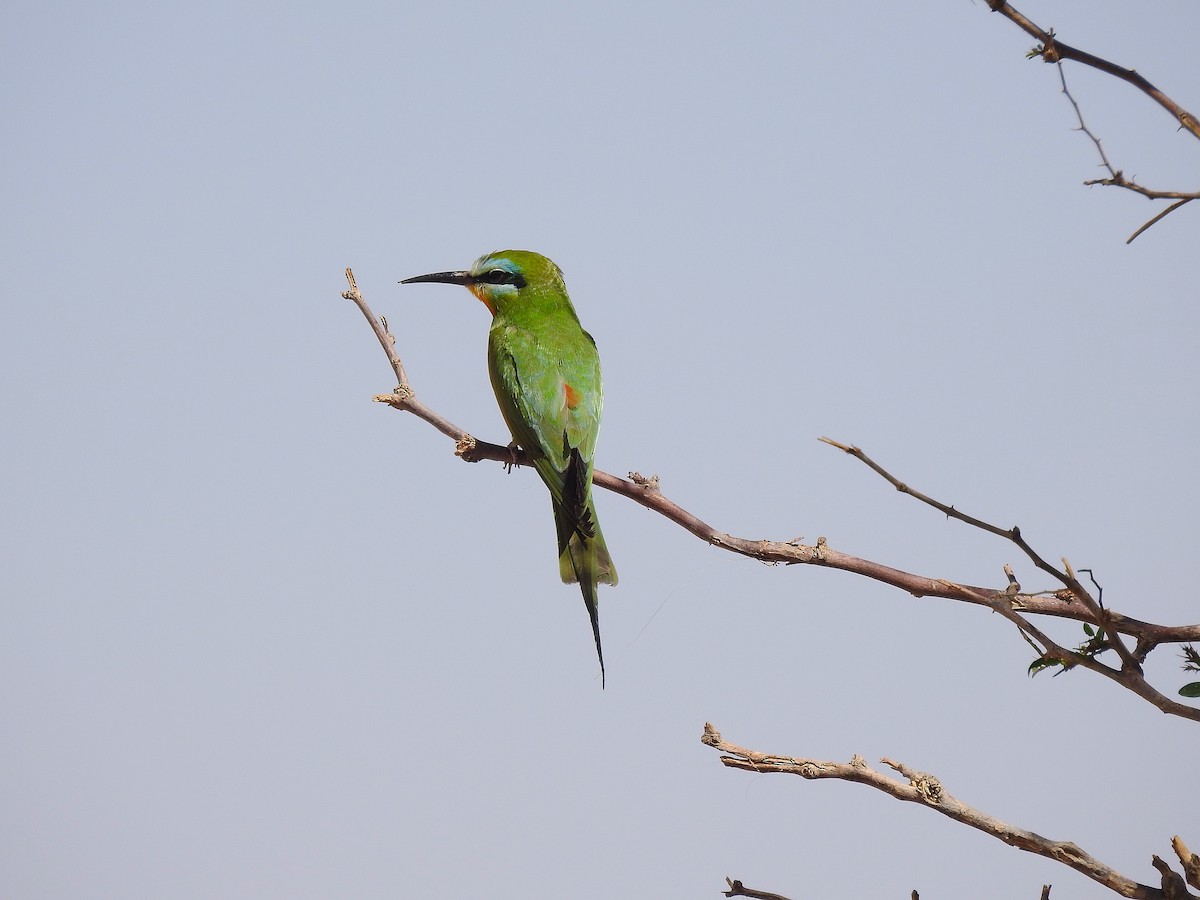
[512, 463]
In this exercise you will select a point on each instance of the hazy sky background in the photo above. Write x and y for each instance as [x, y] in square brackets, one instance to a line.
[260, 637]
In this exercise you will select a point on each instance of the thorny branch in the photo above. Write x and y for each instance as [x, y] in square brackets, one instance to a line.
[1116, 178]
[1051, 50]
[927, 790]
[1072, 601]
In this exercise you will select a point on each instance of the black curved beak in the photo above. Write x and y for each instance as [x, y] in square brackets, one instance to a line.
[440, 278]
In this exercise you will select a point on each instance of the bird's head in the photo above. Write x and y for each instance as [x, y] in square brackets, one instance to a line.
[504, 278]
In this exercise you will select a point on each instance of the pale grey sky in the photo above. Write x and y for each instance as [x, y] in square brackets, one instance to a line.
[260, 637]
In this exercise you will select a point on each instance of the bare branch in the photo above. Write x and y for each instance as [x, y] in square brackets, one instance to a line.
[1116, 178]
[1013, 534]
[1170, 209]
[386, 339]
[402, 396]
[1062, 77]
[1072, 602]
[1173, 887]
[1053, 50]
[1119, 180]
[1065, 575]
[927, 790]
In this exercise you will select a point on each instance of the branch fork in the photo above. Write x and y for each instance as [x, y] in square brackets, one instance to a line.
[1051, 50]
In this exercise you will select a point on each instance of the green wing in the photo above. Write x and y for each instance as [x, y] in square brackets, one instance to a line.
[548, 386]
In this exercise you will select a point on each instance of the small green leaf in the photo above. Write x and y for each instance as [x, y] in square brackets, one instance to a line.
[1190, 690]
[1088, 630]
[1040, 664]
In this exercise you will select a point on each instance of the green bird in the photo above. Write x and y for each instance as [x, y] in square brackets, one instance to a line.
[545, 372]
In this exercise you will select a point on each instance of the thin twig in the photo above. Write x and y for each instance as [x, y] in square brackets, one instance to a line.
[927, 790]
[1116, 178]
[1013, 534]
[1170, 209]
[1062, 77]
[402, 396]
[386, 339]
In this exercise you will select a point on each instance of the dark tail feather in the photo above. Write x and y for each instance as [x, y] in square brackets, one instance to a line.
[574, 514]
[589, 600]
[584, 558]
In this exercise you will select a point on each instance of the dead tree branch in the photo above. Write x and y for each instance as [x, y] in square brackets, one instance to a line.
[1052, 50]
[926, 790]
[1116, 178]
[1188, 860]
[1072, 601]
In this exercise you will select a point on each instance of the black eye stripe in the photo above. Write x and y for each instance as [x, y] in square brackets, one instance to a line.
[500, 276]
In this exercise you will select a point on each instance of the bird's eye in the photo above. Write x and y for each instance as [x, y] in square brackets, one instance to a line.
[500, 276]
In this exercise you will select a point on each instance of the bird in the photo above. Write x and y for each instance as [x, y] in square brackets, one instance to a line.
[545, 372]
